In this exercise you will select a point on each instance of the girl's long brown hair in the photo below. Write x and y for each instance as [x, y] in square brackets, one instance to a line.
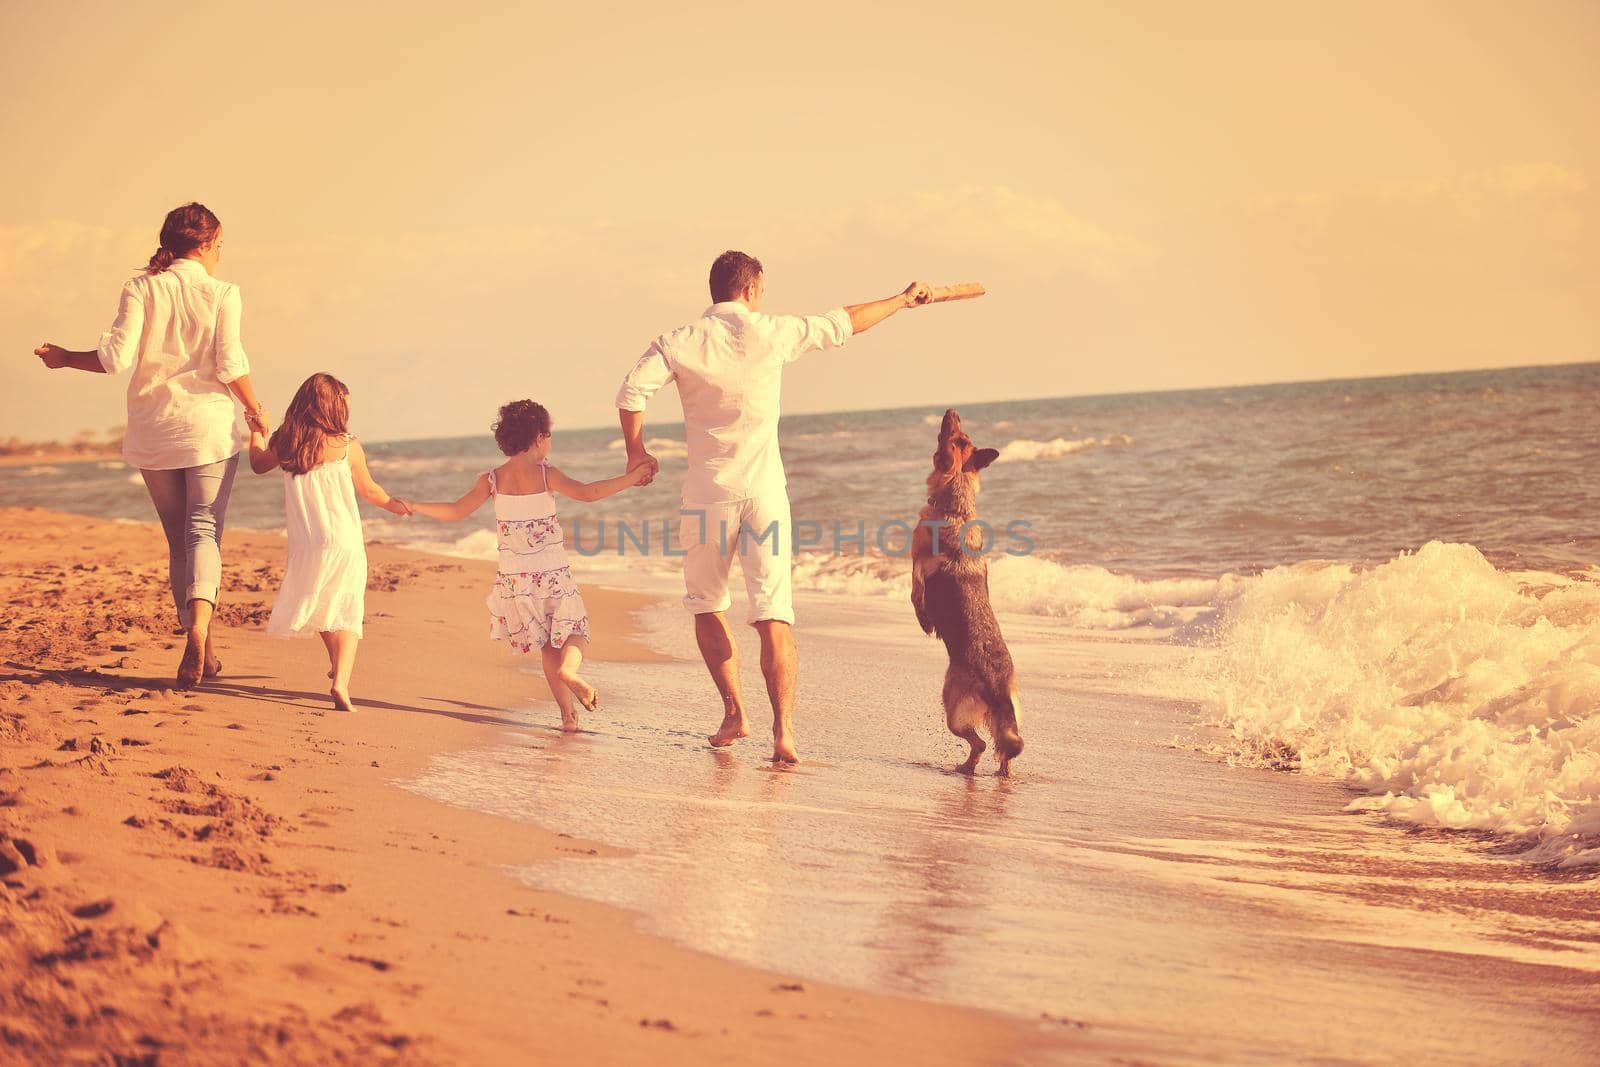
[318, 411]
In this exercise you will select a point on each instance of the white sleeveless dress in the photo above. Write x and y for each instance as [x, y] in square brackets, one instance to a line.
[325, 584]
[534, 601]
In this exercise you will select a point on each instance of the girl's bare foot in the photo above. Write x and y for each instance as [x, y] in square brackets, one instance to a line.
[587, 694]
[190, 670]
[569, 724]
[341, 699]
[733, 727]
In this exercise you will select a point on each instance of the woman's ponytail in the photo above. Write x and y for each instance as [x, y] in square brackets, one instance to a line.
[185, 229]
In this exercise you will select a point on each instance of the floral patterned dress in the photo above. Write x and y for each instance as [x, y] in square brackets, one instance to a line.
[534, 602]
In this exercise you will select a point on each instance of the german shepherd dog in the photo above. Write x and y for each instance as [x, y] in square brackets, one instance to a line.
[950, 592]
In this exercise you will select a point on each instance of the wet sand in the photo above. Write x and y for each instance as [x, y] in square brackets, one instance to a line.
[1124, 877]
[231, 875]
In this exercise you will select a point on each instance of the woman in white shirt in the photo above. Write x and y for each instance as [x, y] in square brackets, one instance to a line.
[177, 330]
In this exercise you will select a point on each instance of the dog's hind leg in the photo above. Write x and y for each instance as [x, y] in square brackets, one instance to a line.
[1003, 725]
[971, 737]
[963, 711]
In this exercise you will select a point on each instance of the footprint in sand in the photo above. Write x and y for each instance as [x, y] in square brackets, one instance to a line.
[375, 964]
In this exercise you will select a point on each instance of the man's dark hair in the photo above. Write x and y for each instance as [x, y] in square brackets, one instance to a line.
[731, 273]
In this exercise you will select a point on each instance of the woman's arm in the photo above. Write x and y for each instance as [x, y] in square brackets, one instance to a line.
[56, 358]
[369, 490]
[119, 346]
[262, 457]
[461, 508]
[255, 416]
[233, 366]
[639, 474]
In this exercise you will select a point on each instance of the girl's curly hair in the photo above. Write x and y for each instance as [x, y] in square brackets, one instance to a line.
[520, 424]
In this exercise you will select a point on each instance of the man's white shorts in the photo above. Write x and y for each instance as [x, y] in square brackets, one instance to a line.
[758, 532]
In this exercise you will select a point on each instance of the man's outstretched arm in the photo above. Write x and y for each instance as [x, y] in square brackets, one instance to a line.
[866, 316]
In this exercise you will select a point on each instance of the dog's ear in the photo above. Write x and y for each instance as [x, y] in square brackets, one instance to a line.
[981, 459]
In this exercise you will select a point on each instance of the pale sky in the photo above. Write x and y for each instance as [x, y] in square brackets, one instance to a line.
[451, 206]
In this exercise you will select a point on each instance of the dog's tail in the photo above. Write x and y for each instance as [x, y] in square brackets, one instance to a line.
[1007, 736]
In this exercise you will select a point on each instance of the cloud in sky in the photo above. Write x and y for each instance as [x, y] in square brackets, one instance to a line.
[998, 221]
[566, 293]
[559, 309]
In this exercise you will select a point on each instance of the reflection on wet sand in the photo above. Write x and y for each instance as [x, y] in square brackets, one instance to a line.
[1117, 878]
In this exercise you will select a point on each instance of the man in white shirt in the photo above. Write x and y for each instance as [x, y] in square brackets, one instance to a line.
[729, 368]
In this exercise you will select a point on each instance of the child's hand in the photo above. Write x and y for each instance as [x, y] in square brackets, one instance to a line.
[397, 506]
[640, 474]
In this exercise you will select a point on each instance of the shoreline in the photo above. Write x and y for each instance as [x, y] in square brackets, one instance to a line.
[238, 872]
[57, 457]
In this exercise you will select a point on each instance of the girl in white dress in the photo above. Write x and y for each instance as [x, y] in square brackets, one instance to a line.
[534, 602]
[324, 470]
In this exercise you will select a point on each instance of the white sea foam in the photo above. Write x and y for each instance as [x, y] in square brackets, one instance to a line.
[1081, 595]
[479, 544]
[1453, 694]
[828, 435]
[39, 471]
[412, 465]
[1024, 449]
[660, 447]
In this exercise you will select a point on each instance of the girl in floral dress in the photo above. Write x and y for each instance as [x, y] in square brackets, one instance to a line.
[535, 603]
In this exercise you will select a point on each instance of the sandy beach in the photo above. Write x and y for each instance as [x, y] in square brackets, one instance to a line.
[231, 875]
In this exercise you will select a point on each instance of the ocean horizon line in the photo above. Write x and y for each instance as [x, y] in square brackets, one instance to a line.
[657, 427]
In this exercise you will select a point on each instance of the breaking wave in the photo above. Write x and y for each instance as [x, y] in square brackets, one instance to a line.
[1024, 449]
[1452, 694]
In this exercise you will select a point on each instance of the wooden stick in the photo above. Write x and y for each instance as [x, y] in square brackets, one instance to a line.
[964, 291]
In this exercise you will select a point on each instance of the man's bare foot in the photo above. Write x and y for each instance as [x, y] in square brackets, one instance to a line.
[783, 751]
[733, 727]
[189, 671]
[341, 699]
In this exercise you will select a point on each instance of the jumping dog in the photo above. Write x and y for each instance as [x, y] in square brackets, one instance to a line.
[950, 592]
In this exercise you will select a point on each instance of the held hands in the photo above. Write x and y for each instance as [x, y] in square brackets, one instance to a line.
[644, 467]
[917, 294]
[642, 472]
[398, 507]
[52, 356]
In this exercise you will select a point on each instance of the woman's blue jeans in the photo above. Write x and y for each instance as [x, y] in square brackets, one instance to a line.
[192, 502]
